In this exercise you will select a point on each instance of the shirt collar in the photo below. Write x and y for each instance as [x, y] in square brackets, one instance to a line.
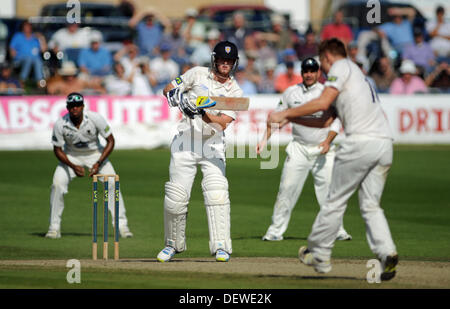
[306, 89]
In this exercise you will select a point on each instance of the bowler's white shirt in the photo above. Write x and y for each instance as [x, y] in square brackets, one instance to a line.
[357, 103]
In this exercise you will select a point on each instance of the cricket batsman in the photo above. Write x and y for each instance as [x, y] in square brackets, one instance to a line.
[200, 141]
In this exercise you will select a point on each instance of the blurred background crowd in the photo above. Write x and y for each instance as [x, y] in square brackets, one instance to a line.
[124, 49]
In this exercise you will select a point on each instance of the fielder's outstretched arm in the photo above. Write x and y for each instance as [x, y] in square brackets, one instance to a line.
[322, 103]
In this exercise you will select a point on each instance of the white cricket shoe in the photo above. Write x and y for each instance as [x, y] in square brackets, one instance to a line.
[343, 235]
[125, 232]
[222, 256]
[166, 254]
[307, 258]
[270, 237]
[54, 234]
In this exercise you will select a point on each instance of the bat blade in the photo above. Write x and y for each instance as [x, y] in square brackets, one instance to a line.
[223, 103]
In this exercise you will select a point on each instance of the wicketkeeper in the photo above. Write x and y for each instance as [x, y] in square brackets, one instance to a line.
[200, 141]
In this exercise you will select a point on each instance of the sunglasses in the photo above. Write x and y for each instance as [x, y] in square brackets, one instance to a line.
[75, 98]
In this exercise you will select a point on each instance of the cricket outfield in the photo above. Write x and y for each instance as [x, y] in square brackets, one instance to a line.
[415, 201]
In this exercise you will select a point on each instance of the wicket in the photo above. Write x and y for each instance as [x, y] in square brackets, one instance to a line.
[105, 216]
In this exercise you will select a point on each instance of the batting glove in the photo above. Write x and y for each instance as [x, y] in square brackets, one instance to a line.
[174, 97]
[189, 109]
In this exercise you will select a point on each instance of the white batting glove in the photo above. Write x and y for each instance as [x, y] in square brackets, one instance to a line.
[174, 97]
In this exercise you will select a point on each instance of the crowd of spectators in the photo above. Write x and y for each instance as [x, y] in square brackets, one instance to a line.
[407, 60]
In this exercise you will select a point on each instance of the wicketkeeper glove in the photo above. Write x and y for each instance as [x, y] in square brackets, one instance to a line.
[174, 97]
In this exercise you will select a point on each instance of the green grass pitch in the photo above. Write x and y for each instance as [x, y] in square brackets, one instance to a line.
[415, 200]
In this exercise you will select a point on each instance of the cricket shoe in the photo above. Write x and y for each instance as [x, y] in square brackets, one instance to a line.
[389, 264]
[166, 254]
[343, 235]
[54, 234]
[125, 232]
[270, 237]
[307, 258]
[222, 256]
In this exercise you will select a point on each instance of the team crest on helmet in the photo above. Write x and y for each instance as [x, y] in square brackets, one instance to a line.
[227, 49]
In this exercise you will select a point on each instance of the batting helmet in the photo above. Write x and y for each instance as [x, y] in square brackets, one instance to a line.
[310, 64]
[225, 50]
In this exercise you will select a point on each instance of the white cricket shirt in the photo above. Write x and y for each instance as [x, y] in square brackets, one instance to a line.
[199, 81]
[357, 104]
[84, 139]
[297, 95]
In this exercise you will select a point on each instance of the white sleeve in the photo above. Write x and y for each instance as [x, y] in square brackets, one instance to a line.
[336, 125]
[57, 135]
[338, 75]
[102, 126]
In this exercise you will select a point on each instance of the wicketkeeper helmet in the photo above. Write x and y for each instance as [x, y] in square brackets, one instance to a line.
[310, 64]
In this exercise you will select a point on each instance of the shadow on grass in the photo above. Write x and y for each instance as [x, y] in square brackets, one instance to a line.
[64, 234]
[260, 238]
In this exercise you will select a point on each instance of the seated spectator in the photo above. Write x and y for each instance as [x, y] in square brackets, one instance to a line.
[383, 74]
[135, 70]
[420, 53]
[72, 36]
[355, 56]
[193, 31]
[409, 82]
[247, 86]
[239, 32]
[337, 29]
[96, 60]
[8, 84]
[279, 37]
[177, 43]
[25, 50]
[440, 78]
[308, 48]
[265, 51]
[202, 53]
[439, 31]
[164, 68]
[252, 67]
[67, 82]
[267, 82]
[289, 55]
[285, 80]
[399, 31]
[117, 83]
[149, 31]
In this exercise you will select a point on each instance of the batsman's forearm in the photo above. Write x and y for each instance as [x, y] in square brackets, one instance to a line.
[218, 120]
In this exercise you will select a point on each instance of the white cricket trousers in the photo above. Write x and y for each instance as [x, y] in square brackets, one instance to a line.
[300, 161]
[361, 162]
[63, 176]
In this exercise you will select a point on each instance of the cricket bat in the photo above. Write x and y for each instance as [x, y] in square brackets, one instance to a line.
[223, 103]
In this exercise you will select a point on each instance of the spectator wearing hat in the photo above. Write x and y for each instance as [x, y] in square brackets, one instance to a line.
[67, 82]
[267, 82]
[150, 25]
[285, 80]
[95, 61]
[308, 47]
[163, 68]
[439, 31]
[193, 31]
[8, 84]
[420, 52]
[201, 56]
[247, 86]
[399, 31]
[25, 49]
[409, 82]
[337, 29]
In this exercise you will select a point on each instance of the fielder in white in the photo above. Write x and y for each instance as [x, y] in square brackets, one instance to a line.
[200, 141]
[311, 150]
[362, 161]
[76, 145]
